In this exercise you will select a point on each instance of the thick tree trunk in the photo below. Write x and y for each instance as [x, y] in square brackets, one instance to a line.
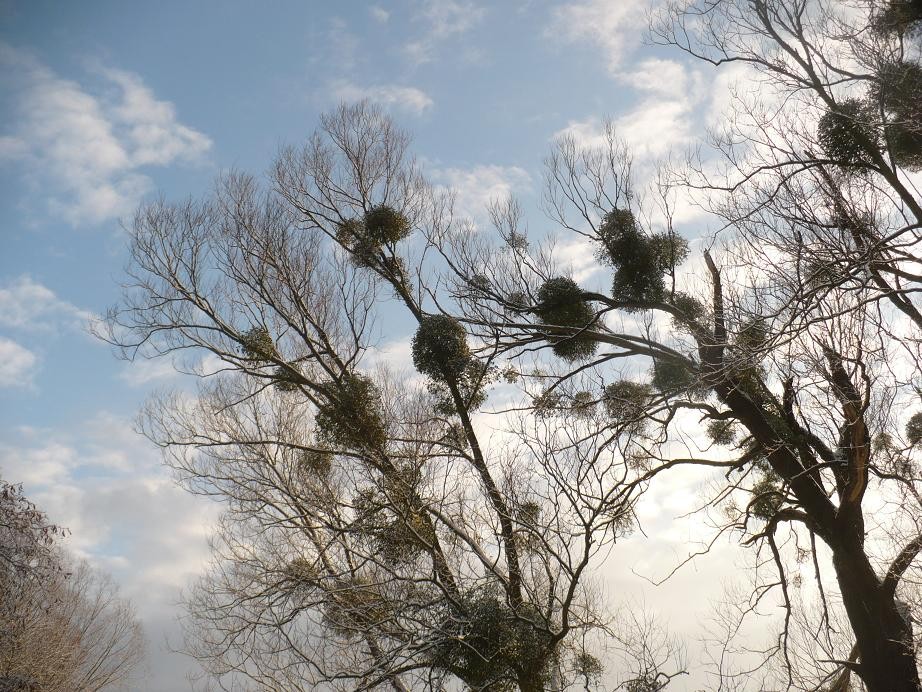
[887, 659]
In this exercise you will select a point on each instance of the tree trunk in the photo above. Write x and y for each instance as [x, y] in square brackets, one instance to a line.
[887, 660]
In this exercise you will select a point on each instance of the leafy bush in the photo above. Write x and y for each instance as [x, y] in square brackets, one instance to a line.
[440, 347]
[561, 304]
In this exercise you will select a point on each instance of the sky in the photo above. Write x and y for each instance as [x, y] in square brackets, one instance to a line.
[104, 105]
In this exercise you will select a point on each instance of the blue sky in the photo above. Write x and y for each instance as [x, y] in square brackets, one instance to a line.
[105, 104]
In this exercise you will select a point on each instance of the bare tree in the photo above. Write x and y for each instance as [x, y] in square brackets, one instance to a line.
[381, 530]
[389, 530]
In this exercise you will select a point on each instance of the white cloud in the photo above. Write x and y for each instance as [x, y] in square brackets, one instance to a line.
[442, 20]
[17, 364]
[665, 117]
[578, 257]
[658, 76]
[142, 372]
[28, 305]
[614, 27]
[406, 98]
[379, 14]
[86, 151]
[475, 188]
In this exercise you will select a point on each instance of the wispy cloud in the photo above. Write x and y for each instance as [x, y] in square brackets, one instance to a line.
[441, 20]
[616, 28]
[379, 14]
[662, 120]
[405, 98]
[17, 364]
[87, 150]
[475, 188]
[27, 305]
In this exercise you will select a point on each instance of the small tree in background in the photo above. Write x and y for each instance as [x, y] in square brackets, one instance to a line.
[63, 627]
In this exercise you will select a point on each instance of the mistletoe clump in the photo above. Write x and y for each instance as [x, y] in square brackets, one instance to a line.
[899, 92]
[385, 225]
[690, 307]
[397, 537]
[752, 335]
[640, 260]
[486, 644]
[846, 131]
[440, 347]
[354, 607]
[914, 429]
[316, 462]
[589, 667]
[903, 16]
[672, 376]
[626, 401]
[365, 238]
[767, 497]
[301, 572]
[351, 417]
[722, 432]
[257, 345]
[563, 309]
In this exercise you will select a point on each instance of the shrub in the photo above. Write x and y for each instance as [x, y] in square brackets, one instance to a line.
[561, 304]
[440, 347]
[845, 133]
